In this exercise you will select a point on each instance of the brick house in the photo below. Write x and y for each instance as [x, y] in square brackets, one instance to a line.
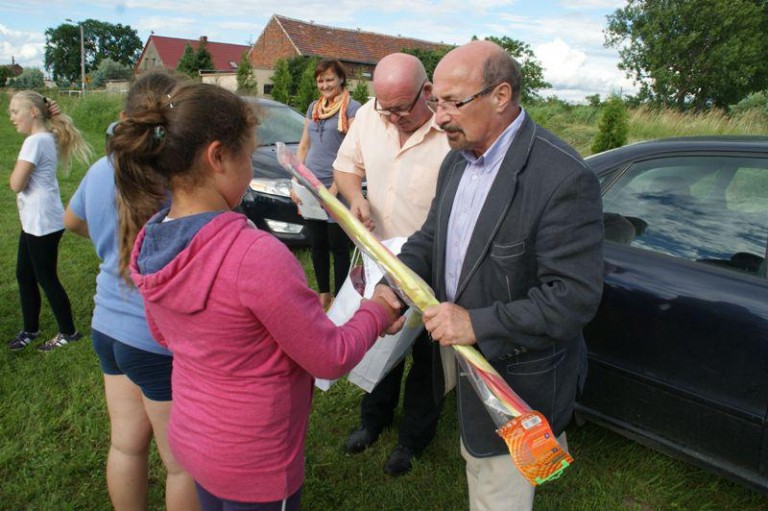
[359, 51]
[165, 52]
[13, 68]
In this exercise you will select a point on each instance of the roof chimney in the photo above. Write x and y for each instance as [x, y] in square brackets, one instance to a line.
[203, 39]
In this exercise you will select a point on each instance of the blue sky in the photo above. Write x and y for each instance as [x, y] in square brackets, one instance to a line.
[566, 36]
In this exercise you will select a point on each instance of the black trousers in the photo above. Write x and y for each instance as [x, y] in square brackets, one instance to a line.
[421, 410]
[326, 238]
[36, 265]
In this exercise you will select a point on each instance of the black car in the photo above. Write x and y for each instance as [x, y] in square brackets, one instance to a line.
[267, 202]
[678, 350]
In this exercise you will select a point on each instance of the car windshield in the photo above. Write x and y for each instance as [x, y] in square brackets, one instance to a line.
[279, 124]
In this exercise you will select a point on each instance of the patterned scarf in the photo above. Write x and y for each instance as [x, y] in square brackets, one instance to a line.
[322, 110]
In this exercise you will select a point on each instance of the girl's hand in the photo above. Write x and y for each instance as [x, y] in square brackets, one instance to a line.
[53, 108]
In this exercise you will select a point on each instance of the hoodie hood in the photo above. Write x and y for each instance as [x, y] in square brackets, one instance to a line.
[184, 284]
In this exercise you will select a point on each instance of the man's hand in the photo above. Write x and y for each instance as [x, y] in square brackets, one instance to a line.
[362, 210]
[449, 324]
[384, 296]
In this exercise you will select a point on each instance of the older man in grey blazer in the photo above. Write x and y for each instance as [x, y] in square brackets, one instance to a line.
[512, 246]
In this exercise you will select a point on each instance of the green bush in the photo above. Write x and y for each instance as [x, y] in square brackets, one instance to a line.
[613, 127]
[31, 78]
[360, 92]
[307, 90]
[246, 82]
[755, 103]
[110, 70]
[281, 79]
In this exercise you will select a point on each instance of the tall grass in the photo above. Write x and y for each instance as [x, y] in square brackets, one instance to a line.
[54, 431]
[647, 123]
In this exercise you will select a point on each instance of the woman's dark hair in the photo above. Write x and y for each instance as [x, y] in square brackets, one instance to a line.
[143, 94]
[334, 65]
[156, 147]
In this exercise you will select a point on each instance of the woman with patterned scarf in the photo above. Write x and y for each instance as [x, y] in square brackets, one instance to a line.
[328, 120]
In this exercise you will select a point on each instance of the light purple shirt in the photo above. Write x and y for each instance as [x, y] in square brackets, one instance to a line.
[476, 182]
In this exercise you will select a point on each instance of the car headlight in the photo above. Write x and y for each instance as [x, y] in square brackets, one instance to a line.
[279, 187]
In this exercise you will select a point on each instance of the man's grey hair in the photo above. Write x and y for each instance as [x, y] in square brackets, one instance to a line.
[503, 68]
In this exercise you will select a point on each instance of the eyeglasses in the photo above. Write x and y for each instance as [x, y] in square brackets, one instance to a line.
[399, 111]
[452, 107]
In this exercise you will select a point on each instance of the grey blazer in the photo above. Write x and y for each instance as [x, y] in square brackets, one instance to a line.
[531, 279]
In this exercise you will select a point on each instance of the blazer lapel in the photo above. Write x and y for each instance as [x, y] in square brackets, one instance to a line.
[443, 215]
[497, 203]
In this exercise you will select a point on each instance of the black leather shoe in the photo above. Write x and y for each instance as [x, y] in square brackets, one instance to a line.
[360, 440]
[399, 462]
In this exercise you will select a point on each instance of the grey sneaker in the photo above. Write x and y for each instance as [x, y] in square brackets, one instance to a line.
[58, 341]
[21, 340]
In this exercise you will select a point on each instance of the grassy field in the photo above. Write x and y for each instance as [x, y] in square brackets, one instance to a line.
[54, 427]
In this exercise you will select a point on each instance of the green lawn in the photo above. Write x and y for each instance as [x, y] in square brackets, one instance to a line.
[54, 427]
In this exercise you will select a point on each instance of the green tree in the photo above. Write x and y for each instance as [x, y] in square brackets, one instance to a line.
[533, 73]
[593, 100]
[692, 53]
[110, 70]
[246, 82]
[203, 58]
[281, 80]
[101, 40]
[613, 127]
[30, 78]
[188, 62]
[5, 74]
[429, 58]
[307, 89]
[360, 93]
[296, 66]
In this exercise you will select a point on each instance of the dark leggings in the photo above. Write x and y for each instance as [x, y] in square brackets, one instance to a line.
[210, 502]
[36, 264]
[325, 238]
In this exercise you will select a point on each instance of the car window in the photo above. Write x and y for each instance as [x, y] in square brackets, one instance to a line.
[279, 123]
[713, 210]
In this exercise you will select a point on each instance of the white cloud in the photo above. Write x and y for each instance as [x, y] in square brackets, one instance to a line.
[585, 5]
[574, 74]
[26, 48]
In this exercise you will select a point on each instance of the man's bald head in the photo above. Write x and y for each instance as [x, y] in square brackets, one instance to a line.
[483, 81]
[400, 85]
[486, 62]
[398, 71]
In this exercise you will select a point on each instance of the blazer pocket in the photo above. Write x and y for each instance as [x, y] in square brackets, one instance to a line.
[508, 250]
[536, 366]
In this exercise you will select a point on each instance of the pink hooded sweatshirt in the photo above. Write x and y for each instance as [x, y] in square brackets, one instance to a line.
[247, 335]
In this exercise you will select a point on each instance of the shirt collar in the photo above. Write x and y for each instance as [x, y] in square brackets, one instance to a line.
[499, 147]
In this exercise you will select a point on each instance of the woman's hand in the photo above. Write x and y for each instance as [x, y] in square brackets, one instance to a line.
[295, 198]
[384, 296]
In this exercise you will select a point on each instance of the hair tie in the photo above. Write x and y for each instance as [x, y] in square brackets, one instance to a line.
[159, 133]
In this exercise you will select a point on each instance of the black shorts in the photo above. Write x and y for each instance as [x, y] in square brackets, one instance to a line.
[151, 372]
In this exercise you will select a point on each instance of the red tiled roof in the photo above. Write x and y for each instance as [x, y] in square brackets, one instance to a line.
[171, 49]
[358, 46]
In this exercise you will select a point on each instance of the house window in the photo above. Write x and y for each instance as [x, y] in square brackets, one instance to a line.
[268, 88]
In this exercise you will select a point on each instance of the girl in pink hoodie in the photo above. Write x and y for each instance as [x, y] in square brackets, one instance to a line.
[231, 302]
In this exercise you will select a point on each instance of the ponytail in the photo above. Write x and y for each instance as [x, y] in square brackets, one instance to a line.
[156, 147]
[70, 142]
